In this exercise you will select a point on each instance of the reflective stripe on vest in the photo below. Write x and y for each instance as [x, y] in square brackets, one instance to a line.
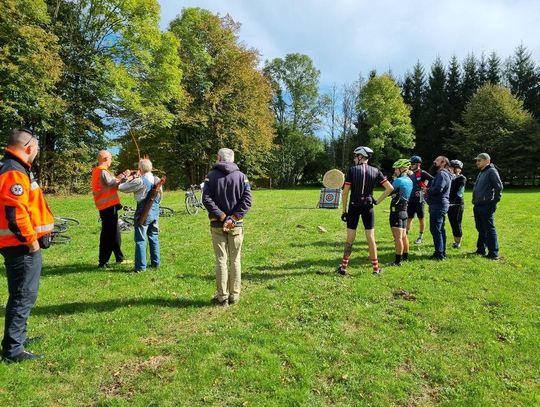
[104, 196]
[38, 229]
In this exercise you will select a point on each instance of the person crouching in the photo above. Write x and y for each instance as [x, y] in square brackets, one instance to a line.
[141, 184]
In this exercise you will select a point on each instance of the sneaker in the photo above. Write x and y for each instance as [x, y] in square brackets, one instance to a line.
[456, 245]
[420, 240]
[493, 257]
[103, 266]
[22, 357]
[124, 262]
[233, 300]
[342, 271]
[378, 272]
[139, 271]
[217, 302]
[394, 264]
[436, 257]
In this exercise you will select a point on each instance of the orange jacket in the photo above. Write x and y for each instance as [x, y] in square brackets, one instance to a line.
[105, 195]
[24, 213]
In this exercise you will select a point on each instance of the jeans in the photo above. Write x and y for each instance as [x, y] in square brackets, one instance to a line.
[141, 233]
[227, 249]
[23, 271]
[436, 227]
[485, 225]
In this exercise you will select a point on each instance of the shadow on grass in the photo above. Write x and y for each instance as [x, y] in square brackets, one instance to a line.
[51, 270]
[111, 305]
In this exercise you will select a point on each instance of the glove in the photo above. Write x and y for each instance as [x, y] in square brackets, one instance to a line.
[375, 202]
[344, 216]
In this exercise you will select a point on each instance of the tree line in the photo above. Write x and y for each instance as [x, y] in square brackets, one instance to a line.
[82, 72]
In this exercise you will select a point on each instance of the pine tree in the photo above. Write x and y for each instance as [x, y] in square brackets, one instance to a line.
[436, 107]
[524, 80]
[494, 69]
[482, 70]
[469, 85]
[417, 101]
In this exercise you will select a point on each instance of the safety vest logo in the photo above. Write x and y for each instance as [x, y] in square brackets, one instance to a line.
[17, 189]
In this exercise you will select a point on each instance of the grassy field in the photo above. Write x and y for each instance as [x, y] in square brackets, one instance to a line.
[301, 335]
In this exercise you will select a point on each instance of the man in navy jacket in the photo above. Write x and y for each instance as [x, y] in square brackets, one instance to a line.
[227, 197]
[486, 194]
[438, 199]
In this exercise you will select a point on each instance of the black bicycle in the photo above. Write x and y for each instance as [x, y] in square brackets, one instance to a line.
[193, 199]
[127, 219]
[61, 225]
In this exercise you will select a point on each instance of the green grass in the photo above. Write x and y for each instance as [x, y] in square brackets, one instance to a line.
[301, 335]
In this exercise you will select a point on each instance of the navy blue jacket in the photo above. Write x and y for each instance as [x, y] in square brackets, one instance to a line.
[488, 186]
[438, 195]
[226, 192]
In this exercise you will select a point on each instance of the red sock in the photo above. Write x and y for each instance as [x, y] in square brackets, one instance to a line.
[345, 262]
[375, 264]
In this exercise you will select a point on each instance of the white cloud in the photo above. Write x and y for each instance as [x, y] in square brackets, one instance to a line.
[345, 37]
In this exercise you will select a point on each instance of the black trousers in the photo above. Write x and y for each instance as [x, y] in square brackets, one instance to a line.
[109, 239]
[23, 271]
[455, 216]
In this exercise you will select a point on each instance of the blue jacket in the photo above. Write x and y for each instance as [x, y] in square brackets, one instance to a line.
[438, 193]
[226, 192]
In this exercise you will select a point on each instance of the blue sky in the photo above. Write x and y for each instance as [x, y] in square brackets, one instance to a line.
[348, 37]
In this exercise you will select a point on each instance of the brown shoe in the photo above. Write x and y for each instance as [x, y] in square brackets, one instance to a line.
[217, 302]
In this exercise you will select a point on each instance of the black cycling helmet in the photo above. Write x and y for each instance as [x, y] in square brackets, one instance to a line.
[416, 159]
[456, 164]
[363, 151]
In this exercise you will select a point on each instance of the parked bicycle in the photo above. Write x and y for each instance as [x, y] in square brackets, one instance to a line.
[126, 221]
[61, 225]
[193, 199]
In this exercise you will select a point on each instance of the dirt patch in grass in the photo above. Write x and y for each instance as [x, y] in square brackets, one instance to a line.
[123, 381]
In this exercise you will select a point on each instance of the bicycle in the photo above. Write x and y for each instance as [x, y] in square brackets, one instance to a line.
[61, 225]
[193, 199]
[127, 219]
[166, 212]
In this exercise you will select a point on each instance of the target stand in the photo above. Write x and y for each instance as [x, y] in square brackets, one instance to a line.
[330, 198]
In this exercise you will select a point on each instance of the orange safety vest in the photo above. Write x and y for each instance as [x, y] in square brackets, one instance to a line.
[24, 213]
[105, 196]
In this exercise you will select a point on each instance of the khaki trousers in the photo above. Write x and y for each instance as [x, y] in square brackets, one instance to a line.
[227, 248]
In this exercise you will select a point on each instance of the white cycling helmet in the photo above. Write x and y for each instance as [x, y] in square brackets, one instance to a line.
[363, 151]
[456, 164]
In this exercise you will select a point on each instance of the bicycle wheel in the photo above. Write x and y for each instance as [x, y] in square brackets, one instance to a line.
[59, 227]
[57, 238]
[191, 205]
[165, 212]
[124, 226]
[67, 221]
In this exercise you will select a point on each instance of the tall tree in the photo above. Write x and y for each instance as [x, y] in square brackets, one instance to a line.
[524, 79]
[482, 70]
[418, 95]
[494, 69]
[470, 81]
[495, 121]
[453, 91]
[297, 111]
[226, 100]
[30, 66]
[388, 117]
[436, 109]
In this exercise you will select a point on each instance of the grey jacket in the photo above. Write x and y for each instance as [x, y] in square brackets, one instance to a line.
[488, 186]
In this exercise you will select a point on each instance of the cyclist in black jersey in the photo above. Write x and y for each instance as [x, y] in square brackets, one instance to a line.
[360, 181]
[420, 179]
[457, 205]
